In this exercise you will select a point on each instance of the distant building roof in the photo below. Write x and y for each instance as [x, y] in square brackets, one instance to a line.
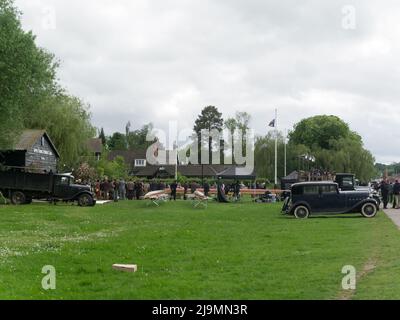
[237, 172]
[190, 170]
[95, 145]
[128, 155]
[29, 137]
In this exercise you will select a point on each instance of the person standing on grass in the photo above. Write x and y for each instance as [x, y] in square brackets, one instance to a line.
[139, 190]
[107, 189]
[97, 189]
[185, 190]
[193, 187]
[396, 195]
[206, 189]
[131, 190]
[384, 187]
[115, 186]
[173, 188]
[391, 197]
[122, 189]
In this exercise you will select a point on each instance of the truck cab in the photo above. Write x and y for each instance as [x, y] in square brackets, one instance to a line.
[64, 188]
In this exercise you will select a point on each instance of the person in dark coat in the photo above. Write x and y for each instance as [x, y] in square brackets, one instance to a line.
[221, 192]
[227, 188]
[115, 186]
[138, 190]
[385, 193]
[236, 190]
[130, 190]
[396, 195]
[173, 187]
[206, 189]
[162, 186]
[185, 190]
[193, 187]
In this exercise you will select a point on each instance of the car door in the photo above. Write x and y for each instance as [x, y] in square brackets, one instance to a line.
[311, 196]
[331, 200]
[61, 187]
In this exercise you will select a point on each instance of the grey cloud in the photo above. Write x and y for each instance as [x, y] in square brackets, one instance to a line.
[155, 61]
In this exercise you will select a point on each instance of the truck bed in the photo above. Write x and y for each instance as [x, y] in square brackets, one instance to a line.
[25, 181]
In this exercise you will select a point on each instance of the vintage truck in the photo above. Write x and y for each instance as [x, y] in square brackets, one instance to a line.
[21, 187]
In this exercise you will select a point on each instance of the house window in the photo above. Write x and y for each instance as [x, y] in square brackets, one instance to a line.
[42, 141]
[140, 163]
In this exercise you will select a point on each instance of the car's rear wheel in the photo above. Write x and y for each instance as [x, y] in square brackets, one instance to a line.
[301, 212]
[18, 198]
[369, 210]
[85, 200]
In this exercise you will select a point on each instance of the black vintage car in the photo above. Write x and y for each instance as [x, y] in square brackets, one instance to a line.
[325, 197]
[21, 187]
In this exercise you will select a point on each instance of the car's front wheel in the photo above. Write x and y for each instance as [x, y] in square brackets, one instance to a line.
[301, 212]
[369, 210]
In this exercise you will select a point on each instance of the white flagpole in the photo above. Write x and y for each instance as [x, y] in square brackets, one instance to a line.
[276, 147]
[176, 158]
[285, 153]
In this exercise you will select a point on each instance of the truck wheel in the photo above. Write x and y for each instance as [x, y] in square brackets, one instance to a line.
[18, 198]
[369, 210]
[85, 200]
[301, 212]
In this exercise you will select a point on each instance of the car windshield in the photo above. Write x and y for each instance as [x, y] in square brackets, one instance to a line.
[348, 182]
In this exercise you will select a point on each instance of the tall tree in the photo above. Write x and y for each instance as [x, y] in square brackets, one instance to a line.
[335, 147]
[319, 131]
[137, 139]
[210, 119]
[117, 141]
[102, 136]
[27, 73]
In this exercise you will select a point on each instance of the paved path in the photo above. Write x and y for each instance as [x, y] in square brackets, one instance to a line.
[394, 215]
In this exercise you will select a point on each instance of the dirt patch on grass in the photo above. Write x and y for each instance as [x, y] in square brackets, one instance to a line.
[368, 267]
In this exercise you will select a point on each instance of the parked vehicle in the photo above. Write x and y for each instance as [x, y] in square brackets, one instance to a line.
[21, 187]
[307, 198]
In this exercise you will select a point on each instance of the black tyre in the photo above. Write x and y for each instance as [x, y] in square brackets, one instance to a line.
[85, 200]
[369, 210]
[301, 212]
[18, 198]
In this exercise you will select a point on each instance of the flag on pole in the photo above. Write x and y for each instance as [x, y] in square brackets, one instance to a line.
[272, 123]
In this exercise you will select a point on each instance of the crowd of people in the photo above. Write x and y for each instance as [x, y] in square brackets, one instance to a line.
[390, 193]
[120, 189]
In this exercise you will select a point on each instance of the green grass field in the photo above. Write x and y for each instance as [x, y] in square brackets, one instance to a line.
[228, 251]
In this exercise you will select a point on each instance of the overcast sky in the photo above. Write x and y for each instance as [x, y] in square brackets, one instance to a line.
[155, 61]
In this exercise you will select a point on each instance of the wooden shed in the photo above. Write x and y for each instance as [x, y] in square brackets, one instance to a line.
[34, 149]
